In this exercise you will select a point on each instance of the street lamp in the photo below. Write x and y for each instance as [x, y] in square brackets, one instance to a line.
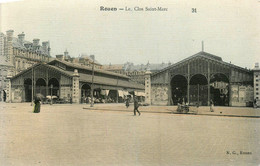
[51, 93]
[198, 93]
[32, 86]
[92, 85]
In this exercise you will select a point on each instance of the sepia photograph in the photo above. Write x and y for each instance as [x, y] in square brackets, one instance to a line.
[129, 83]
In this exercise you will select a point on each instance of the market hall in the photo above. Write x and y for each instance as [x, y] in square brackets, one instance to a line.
[71, 83]
[199, 79]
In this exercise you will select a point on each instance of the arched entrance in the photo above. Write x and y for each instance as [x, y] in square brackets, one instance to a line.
[40, 86]
[28, 89]
[199, 90]
[85, 93]
[219, 89]
[179, 89]
[54, 87]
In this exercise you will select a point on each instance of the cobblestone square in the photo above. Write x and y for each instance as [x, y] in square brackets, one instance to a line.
[70, 135]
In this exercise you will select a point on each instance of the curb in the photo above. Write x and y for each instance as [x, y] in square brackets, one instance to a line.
[242, 116]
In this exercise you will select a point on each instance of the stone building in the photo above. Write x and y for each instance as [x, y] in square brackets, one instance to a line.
[67, 81]
[2, 44]
[197, 80]
[82, 59]
[86, 60]
[65, 57]
[257, 83]
[135, 72]
[16, 55]
[6, 70]
[23, 54]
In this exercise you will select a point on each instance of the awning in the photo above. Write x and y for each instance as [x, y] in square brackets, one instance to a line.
[139, 93]
[122, 93]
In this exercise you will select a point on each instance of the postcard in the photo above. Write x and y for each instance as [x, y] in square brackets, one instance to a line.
[159, 82]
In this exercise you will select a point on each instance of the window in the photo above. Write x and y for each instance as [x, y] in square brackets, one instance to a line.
[256, 88]
[256, 84]
[256, 76]
[257, 93]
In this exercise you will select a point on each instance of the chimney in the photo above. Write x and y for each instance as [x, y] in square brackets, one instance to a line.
[257, 65]
[36, 42]
[45, 46]
[10, 34]
[66, 53]
[60, 57]
[21, 37]
[92, 57]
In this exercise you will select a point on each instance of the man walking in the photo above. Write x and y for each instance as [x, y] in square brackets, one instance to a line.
[136, 105]
[211, 106]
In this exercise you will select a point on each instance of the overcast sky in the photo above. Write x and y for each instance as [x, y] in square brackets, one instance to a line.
[229, 29]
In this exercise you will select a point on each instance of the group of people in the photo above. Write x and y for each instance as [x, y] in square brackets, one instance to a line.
[37, 105]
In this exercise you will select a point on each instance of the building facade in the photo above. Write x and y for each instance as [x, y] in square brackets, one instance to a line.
[6, 70]
[23, 54]
[199, 79]
[257, 83]
[82, 59]
[135, 72]
[2, 44]
[16, 55]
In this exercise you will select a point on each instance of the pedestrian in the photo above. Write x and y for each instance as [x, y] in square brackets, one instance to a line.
[211, 106]
[127, 102]
[136, 105]
[255, 104]
[37, 105]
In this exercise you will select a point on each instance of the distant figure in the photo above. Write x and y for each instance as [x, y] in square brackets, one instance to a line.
[211, 106]
[37, 105]
[127, 103]
[4, 96]
[255, 104]
[197, 105]
[136, 105]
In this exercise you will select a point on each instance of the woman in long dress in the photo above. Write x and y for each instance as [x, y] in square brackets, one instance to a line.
[37, 105]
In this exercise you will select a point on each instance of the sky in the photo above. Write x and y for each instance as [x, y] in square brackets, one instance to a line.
[229, 28]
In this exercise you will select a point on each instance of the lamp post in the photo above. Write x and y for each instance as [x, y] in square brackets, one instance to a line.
[51, 93]
[32, 86]
[198, 93]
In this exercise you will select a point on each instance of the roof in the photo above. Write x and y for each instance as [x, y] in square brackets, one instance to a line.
[79, 66]
[46, 65]
[113, 67]
[21, 45]
[107, 81]
[131, 67]
[204, 55]
[88, 78]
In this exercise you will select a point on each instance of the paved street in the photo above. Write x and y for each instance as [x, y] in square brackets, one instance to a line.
[110, 135]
